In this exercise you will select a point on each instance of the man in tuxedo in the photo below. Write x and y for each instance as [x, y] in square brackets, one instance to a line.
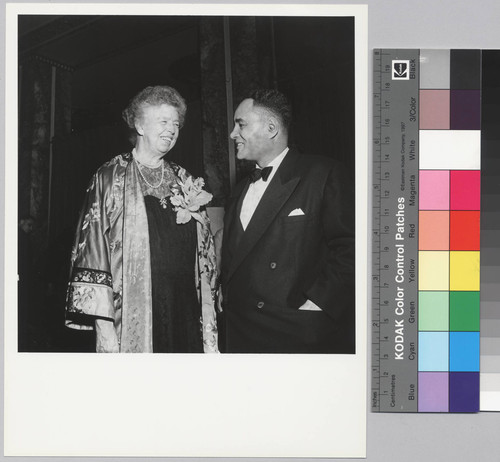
[288, 248]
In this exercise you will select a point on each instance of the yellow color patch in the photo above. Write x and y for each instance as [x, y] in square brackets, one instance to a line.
[464, 271]
[433, 270]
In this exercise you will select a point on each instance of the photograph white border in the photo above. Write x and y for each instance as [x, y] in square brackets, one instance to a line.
[185, 405]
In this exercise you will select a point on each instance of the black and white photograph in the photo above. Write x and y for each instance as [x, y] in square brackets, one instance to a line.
[190, 184]
[134, 131]
[193, 217]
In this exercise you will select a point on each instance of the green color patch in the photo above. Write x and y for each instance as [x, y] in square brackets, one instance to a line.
[464, 311]
[433, 311]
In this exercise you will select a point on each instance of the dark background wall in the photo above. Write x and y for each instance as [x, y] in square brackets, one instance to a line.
[77, 74]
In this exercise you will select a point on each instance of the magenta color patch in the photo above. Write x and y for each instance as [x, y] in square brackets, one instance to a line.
[465, 189]
[434, 109]
[434, 190]
[433, 392]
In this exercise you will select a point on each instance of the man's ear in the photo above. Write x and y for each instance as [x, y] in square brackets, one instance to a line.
[273, 127]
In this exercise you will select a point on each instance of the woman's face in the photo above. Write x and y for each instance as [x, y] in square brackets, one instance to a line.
[159, 128]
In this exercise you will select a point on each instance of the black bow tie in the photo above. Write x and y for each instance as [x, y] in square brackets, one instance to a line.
[259, 173]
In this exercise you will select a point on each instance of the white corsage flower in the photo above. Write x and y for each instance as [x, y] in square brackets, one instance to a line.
[188, 196]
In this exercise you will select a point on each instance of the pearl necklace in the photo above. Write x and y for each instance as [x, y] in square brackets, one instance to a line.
[144, 178]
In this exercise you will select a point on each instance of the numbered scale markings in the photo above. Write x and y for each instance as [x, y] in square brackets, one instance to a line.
[394, 233]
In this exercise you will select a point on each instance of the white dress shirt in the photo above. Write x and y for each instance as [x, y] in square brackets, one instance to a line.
[257, 189]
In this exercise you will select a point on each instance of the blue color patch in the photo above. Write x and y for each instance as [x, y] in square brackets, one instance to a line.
[464, 391]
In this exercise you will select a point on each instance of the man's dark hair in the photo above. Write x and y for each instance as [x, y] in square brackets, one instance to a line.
[276, 102]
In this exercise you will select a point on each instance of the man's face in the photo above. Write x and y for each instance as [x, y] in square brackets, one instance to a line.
[159, 127]
[250, 132]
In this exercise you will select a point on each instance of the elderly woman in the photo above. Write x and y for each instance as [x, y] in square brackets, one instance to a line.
[143, 263]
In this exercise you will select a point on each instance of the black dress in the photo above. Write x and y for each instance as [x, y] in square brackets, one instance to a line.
[177, 325]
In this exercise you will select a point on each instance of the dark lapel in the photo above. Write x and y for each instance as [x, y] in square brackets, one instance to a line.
[277, 193]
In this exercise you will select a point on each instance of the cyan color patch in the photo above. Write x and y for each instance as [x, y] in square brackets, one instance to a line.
[433, 350]
[464, 351]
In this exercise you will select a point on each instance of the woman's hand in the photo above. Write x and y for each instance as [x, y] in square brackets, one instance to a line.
[106, 338]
